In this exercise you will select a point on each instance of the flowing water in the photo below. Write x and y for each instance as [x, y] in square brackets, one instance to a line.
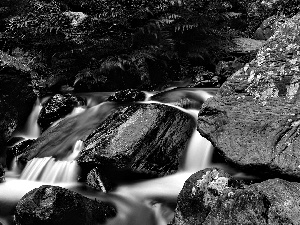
[146, 202]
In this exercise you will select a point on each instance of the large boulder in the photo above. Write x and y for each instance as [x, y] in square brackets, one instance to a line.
[213, 197]
[53, 205]
[272, 202]
[58, 107]
[128, 140]
[200, 193]
[143, 138]
[254, 119]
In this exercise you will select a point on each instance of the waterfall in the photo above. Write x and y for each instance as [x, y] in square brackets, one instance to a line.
[31, 129]
[50, 170]
[137, 203]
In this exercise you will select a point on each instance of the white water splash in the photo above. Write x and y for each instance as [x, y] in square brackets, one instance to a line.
[198, 154]
[49, 170]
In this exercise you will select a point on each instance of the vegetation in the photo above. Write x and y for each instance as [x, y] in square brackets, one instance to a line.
[115, 44]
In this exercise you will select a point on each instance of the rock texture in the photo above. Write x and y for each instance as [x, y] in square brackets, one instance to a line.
[144, 138]
[254, 119]
[272, 202]
[212, 197]
[199, 195]
[268, 27]
[52, 205]
[57, 107]
[128, 95]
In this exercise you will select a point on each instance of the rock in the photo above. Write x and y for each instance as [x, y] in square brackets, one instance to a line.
[254, 119]
[143, 138]
[95, 180]
[200, 193]
[259, 10]
[203, 78]
[58, 107]
[128, 95]
[53, 205]
[213, 197]
[272, 202]
[18, 149]
[268, 27]
[246, 45]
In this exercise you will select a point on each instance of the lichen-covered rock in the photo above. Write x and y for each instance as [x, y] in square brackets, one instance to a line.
[58, 107]
[272, 202]
[53, 205]
[259, 10]
[144, 138]
[254, 119]
[268, 27]
[128, 95]
[211, 197]
[200, 193]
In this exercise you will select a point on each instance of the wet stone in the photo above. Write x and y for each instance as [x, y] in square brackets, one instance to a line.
[58, 107]
[128, 95]
[53, 205]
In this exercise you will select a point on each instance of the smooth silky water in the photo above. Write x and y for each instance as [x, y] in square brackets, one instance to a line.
[147, 202]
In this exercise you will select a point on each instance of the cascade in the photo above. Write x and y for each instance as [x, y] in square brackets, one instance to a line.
[135, 202]
[31, 129]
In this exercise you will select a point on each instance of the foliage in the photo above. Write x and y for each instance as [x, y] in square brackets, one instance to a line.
[138, 42]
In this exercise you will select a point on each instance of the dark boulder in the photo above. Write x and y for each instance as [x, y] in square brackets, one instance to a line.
[143, 138]
[58, 107]
[213, 197]
[97, 181]
[200, 193]
[53, 205]
[17, 150]
[254, 119]
[128, 95]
